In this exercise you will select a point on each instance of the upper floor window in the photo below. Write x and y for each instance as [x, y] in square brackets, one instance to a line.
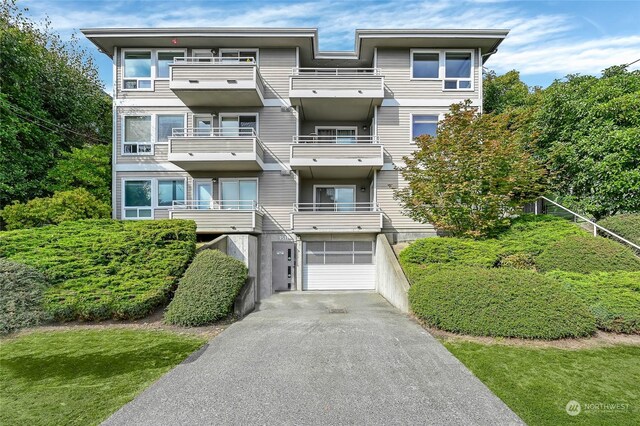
[423, 125]
[170, 190]
[238, 194]
[137, 199]
[457, 70]
[425, 65]
[238, 125]
[239, 55]
[137, 70]
[137, 134]
[166, 124]
[164, 59]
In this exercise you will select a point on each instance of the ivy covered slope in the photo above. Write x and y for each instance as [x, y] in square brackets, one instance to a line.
[101, 269]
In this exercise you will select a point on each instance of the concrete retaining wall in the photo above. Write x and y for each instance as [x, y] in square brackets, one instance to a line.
[391, 282]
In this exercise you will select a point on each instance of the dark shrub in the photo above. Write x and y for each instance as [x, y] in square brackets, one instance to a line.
[499, 302]
[207, 290]
[103, 269]
[625, 225]
[586, 254]
[612, 297]
[21, 290]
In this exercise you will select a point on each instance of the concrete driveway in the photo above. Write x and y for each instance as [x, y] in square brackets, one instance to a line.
[319, 359]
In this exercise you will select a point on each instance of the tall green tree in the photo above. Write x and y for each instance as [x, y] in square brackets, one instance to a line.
[504, 92]
[51, 100]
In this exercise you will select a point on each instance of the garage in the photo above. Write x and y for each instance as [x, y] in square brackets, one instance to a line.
[338, 265]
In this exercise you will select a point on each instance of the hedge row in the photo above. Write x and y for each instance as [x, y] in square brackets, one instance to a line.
[207, 290]
[625, 225]
[103, 269]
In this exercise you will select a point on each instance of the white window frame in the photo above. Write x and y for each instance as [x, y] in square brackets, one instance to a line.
[234, 49]
[194, 191]
[151, 74]
[155, 125]
[320, 185]
[444, 71]
[123, 142]
[337, 128]
[155, 61]
[440, 63]
[124, 208]
[221, 180]
[237, 114]
[411, 115]
[157, 192]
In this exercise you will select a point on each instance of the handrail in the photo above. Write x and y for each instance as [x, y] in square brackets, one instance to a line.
[335, 139]
[215, 205]
[320, 72]
[596, 227]
[213, 60]
[214, 132]
[357, 207]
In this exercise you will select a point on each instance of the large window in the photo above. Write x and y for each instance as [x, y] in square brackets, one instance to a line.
[335, 198]
[341, 135]
[339, 252]
[137, 199]
[457, 70]
[239, 55]
[137, 70]
[238, 194]
[170, 190]
[166, 124]
[164, 59]
[423, 125]
[425, 65]
[137, 135]
[238, 125]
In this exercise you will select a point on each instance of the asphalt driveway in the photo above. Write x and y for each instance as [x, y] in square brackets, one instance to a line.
[319, 358]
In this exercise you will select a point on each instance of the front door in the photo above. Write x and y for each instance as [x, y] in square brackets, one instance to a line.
[282, 265]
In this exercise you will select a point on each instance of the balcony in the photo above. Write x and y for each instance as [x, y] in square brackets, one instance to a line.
[336, 156]
[215, 82]
[314, 218]
[220, 217]
[216, 149]
[347, 94]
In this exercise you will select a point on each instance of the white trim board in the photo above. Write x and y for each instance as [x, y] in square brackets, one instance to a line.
[408, 102]
[170, 167]
[175, 102]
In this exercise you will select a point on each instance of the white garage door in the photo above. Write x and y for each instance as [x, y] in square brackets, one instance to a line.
[338, 265]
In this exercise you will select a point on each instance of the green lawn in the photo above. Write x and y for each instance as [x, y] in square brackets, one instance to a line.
[538, 383]
[81, 377]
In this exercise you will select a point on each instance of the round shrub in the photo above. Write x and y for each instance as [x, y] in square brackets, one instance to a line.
[499, 302]
[451, 250]
[587, 254]
[207, 290]
[21, 296]
[625, 225]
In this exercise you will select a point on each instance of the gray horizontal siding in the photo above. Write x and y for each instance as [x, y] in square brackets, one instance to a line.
[275, 68]
[277, 194]
[335, 151]
[207, 72]
[393, 218]
[211, 145]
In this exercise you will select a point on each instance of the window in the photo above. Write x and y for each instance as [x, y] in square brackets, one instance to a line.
[137, 70]
[238, 194]
[164, 59]
[137, 135]
[423, 125]
[238, 55]
[457, 70]
[170, 191]
[203, 125]
[137, 199]
[425, 65]
[165, 126]
[339, 252]
[238, 125]
[336, 134]
[335, 198]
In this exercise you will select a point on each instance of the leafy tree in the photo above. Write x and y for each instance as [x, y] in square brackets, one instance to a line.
[470, 177]
[62, 206]
[88, 167]
[51, 100]
[504, 92]
[587, 129]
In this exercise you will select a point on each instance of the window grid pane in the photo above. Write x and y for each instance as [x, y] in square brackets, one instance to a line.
[458, 65]
[164, 59]
[166, 124]
[426, 65]
[137, 193]
[137, 129]
[137, 65]
[170, 191]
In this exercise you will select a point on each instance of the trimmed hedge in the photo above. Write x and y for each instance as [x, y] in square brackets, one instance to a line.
[207, 290]
[499, 302]
[587, 254]
[102, 269]
[625, 225]
[21, 296]
[612, 297]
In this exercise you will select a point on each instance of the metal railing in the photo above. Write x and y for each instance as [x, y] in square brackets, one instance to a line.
[332, 72]
[208, 60]
[335, 139]
[216, 205]
[214, 132]
[541, 208]
[336, 207]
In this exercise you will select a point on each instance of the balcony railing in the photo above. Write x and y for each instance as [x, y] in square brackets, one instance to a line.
[216, 205]
[214, 132]
[198, 60]
[336, 218]
[220, 216]
[335, 139]
[318, 72]
[336, 207]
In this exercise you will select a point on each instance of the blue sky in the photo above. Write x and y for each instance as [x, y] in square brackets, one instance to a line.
[548, 39]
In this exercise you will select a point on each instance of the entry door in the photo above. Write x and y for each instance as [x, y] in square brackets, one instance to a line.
[282, 266]
[203, 194]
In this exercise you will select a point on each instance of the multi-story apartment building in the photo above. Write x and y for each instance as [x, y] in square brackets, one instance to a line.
[255, 131]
